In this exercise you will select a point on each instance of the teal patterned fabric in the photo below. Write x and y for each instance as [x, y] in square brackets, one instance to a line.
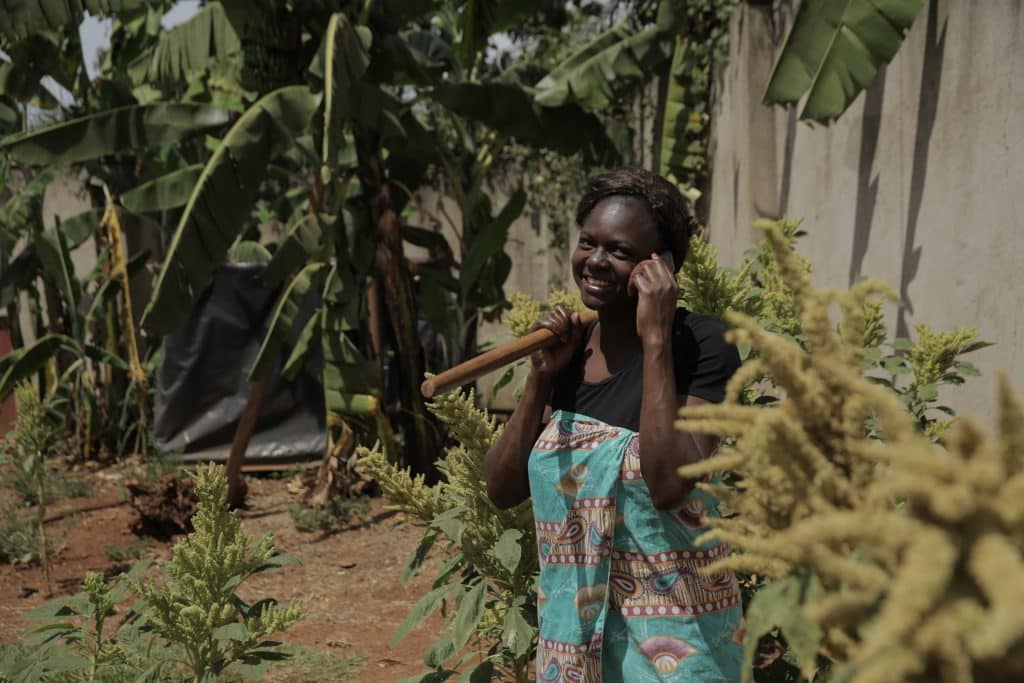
[620, 595]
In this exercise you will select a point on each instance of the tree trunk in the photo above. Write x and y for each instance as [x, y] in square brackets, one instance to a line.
[246, 426]
[392, 275]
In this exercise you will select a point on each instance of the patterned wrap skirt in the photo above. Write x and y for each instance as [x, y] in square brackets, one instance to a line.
[620, 596]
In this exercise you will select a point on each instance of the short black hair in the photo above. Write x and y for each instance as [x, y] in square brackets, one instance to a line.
[666, 204]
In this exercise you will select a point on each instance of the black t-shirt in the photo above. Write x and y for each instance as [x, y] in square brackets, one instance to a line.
[703, 362]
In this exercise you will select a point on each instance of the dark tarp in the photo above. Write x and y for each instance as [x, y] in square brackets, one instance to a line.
[203, 378]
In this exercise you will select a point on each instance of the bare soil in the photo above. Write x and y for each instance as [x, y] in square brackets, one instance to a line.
[348, 581]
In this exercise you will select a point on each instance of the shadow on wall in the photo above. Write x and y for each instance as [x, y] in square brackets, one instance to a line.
[867, 188]
[931, 78]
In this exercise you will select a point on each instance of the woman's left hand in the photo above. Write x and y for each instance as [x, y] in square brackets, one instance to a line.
[657, 292]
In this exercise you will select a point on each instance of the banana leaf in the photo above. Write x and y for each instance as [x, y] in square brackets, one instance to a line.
[391, 16]
[309, 278]
[303, 346]
[344, 57]
[511, 110]
[248, 251]
[222, 201]
[483, 18]
[21, 18]
[834, 50]
[23, 207]
[134, 128]
[169, 191]
[26, 361]
[489, 241]
[349, 379]
[682, 117]
[185, 50]
[598, 77]
[420, 55]
[52, 249]
[302, 241]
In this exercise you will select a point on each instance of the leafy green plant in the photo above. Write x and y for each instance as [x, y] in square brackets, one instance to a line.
[195, 606]
[73, 644]
[890, 556]
[188, 623]
[488, 579]
[133, 550]
[28, 445]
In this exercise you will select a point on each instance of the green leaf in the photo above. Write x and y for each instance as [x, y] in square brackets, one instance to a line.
[440, 651]
[423, 608]
[975, 346]
[24, 362]
[481, 673]
[418, 558]
[310, 278]
[895, 365]
[185, 50]
[21, 18]
[490, 241]
[517, 634]
[133, 128]
[834, 50]
[169, 191]
[509, 109]
[508, 549]
[928, 392]
[344, 54]
[302, 241]
[222, 200]
[471, 610]
[236, 630]
[55, 258]
[450, 524]
[303, 346]
[967, 369]
[780, 603]
[606, 69]
[902, 344]
[248, 251]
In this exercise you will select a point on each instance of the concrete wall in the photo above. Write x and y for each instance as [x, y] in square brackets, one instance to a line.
[920, 183]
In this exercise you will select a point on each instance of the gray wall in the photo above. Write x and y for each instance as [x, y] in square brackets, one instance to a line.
[920, 183]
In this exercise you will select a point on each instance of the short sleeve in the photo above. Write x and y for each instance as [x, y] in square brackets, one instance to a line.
[704, 360]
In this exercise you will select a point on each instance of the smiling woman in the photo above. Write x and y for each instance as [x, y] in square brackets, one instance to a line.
[621, 596]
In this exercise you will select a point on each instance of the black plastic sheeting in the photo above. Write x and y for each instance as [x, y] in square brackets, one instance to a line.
[202, 384]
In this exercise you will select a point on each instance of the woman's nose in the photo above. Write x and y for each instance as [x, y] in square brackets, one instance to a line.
[598, 257]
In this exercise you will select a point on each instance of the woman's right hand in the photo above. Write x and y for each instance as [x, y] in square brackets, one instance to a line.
[568, 328]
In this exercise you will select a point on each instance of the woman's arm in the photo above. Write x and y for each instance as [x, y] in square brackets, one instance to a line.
[505, 470]
[663, 449]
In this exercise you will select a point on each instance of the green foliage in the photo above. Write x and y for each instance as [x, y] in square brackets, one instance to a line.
[834, 50]
[189, 624]
[885, 547]
[488, 578]
[29, 444]
[72, 644]
[195, 605]
[701, 47]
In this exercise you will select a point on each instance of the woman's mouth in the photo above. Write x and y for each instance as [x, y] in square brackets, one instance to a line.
[594, 285]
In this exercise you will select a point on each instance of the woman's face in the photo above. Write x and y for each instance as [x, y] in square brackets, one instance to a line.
[616, 235]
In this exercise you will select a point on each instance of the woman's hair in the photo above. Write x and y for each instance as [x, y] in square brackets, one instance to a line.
[664, 201]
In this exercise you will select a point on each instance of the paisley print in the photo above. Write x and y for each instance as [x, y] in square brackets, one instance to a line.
[666, 653]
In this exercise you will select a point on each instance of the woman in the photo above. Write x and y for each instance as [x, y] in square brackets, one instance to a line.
[620, 597]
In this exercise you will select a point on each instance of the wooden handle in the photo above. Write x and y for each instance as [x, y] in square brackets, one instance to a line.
[466, 372]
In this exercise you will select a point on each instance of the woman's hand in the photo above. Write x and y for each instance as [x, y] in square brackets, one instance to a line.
[567, 326]
[657, 292]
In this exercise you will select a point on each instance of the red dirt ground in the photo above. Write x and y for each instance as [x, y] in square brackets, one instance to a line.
[348, 581]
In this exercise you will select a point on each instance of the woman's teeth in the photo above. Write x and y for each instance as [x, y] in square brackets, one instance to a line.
[594, 282]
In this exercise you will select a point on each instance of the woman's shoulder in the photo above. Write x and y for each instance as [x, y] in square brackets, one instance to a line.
[697, 329]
